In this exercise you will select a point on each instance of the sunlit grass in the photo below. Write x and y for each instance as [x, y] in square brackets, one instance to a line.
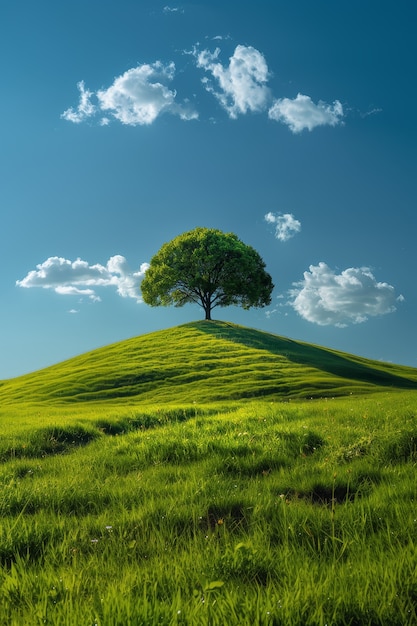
[297, 513]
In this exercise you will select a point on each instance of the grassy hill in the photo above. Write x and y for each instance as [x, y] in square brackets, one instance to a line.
[206, 362]
[157, 481]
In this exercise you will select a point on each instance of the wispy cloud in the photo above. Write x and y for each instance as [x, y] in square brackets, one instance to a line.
[354, 295]
[137, 97]
[286, 226]
[240, 87]
[374, 111]
[169, 10]
[79, 278]
[85, 108]
[303, 114]
[219, 37]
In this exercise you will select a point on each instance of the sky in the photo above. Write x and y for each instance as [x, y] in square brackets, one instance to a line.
[124, 123]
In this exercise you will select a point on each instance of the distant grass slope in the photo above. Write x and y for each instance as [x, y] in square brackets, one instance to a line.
[206, 362]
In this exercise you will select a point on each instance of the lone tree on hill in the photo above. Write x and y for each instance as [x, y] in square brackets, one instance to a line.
[207, 267]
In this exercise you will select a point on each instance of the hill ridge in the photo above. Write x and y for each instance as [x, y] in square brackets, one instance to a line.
[206, 361]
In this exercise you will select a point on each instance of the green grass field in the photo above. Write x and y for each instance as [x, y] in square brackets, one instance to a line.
[165, 500]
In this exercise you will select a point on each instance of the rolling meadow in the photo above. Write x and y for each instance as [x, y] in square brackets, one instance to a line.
[209, 474]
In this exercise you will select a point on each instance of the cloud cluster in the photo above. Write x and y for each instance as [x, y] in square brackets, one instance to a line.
[354, 295]
[242, 88]
[79, 278]
[286, 226]
[143, 93]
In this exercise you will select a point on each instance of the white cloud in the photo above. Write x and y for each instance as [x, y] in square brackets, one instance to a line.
[168, 9]
[354, 295]
[78, 278]
[301, 113]
[137, 97]
[140, 95]
[242, 85]
[85, 108]
[286, 226]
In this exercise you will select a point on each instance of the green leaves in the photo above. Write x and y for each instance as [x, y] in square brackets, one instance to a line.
[210, 268]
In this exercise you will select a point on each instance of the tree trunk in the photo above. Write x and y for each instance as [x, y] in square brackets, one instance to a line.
[207, 309]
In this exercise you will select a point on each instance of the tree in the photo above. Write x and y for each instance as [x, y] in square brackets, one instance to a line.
[207, 267]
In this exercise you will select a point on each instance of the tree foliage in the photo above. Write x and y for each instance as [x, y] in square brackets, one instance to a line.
[207, 267]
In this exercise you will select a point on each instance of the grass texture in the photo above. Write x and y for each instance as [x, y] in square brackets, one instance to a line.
[300, 513]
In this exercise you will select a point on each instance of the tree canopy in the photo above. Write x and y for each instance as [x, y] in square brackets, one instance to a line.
[207, 267]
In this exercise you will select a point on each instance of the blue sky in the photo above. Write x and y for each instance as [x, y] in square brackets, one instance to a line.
[126, 123]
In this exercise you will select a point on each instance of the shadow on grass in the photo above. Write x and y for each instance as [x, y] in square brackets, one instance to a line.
[306, 354]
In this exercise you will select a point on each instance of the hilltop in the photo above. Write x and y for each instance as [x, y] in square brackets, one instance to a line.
[206, 362]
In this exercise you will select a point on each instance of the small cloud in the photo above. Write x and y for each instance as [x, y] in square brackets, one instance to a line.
[137, 97]
[354, 295]
[220, 38]
[79, 278]
[302, 113]
[73, 311]
[169, 10]
[242, 85]
[286, 226]
[270, 313]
